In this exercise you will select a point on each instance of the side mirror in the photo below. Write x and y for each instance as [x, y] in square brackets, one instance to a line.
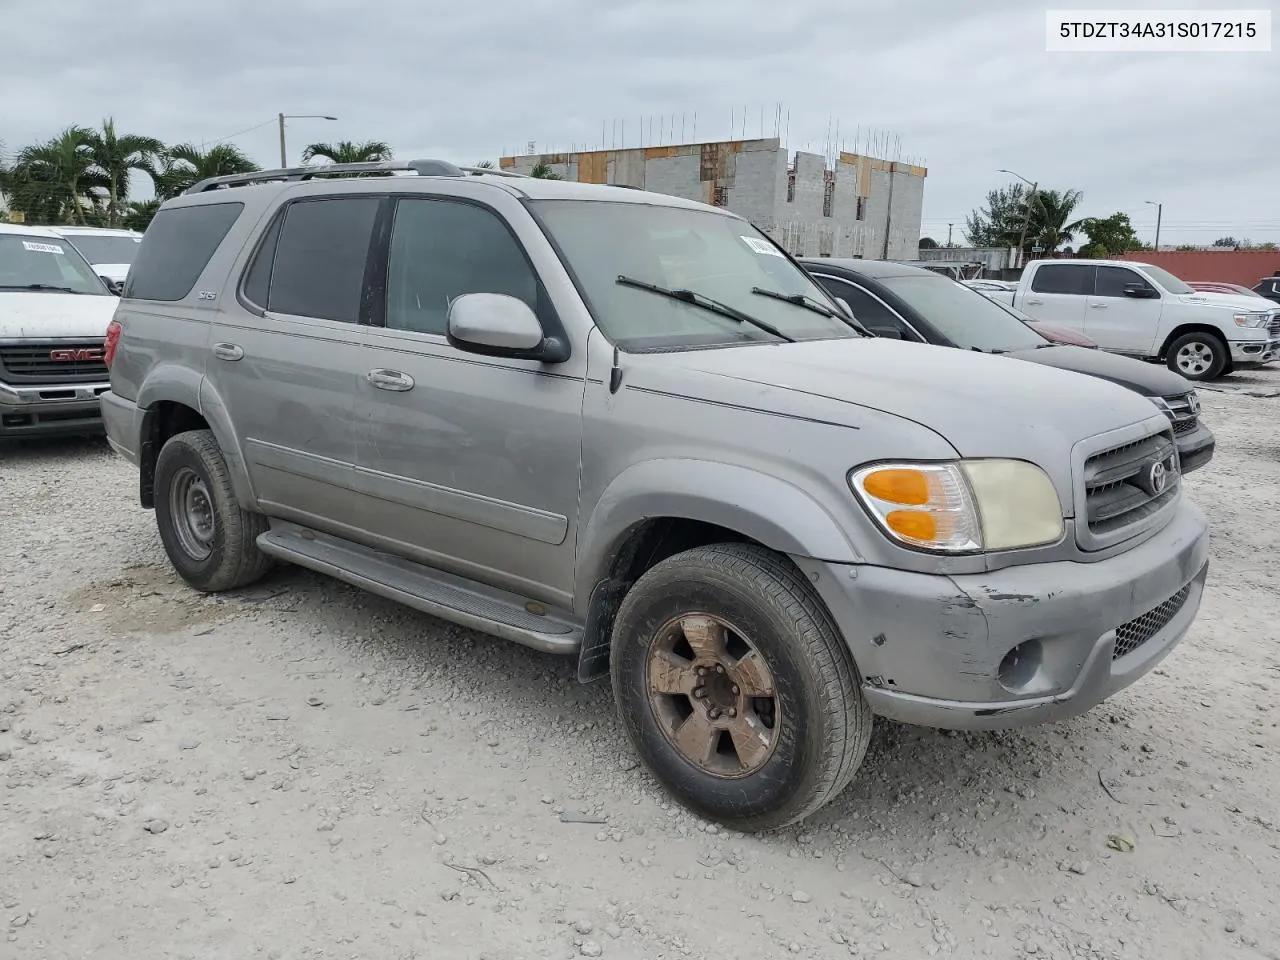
[496, 325]
[886, 333]
[843, 304]
[113, 286]
[1139, 291]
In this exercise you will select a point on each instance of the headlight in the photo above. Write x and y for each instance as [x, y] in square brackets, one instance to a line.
[1251, 319]
[964, 507]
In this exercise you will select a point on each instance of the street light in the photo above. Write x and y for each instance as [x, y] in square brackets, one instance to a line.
[1159, 210]
[1026, 220]
[282, 117]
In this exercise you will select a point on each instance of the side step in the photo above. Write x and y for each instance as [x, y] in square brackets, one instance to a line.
[440, 594]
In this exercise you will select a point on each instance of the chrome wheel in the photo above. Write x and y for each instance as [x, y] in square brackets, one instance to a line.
[191, 510]
[713, 696]
[1195, 358]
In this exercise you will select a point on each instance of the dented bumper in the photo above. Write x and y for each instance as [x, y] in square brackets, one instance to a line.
[1022, 645]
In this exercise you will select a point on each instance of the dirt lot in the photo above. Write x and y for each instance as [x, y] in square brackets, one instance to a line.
[305, 771]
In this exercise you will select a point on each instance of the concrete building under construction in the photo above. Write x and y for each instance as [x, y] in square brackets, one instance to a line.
[858, 207]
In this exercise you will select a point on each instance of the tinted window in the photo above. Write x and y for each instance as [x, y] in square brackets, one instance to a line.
[1063, 278]
[866, 308]
[258, 280]
[1111, 281]
[320, 257]
[965, 317]
[176, 248]
[106, 248]
[32, 261]
[442, 249]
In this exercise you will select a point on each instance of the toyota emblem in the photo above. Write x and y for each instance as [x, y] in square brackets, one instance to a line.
[1158, 477]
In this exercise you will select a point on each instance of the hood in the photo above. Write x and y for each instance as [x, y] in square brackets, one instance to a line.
[1234, 301]
[112, 271]
[1060, 334]
[1144, 378]
[982, 405]
[42, 316]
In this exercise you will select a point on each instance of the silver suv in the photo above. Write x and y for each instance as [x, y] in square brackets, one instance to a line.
[629, 428]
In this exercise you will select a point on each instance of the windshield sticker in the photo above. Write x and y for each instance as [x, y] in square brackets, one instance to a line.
[762, 246]
[41, 247]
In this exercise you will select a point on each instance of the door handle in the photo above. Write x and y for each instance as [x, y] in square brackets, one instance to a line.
[227, 351]
[1097, 306]
[390, 380]
[1034, 300]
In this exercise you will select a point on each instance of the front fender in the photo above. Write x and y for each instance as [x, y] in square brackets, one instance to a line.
[771, 511]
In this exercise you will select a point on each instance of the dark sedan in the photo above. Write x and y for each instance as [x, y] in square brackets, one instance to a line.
[907, 303]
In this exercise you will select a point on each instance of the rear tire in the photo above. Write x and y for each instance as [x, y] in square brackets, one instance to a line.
[736, 688]
[211, 541]
[1198, 356]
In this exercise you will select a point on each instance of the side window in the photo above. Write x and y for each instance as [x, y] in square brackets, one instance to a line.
[441, 249]
[176, 249]
[868, 310]
[315, 267]
[1071, 278]
[257, 281]
[1111, 281]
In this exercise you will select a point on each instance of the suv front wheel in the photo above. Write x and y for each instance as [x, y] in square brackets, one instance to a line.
[735, 687]
[1199, 356]
[211, 541]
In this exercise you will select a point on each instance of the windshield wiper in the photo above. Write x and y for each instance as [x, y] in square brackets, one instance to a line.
[706, 303]
[993, 350]
[38, 286]
[812, 303]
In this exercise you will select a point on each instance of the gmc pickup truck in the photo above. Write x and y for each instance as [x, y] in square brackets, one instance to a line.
[1143, 311]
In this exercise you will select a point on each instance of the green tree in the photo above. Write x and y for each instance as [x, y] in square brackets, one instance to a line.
[1051, 224]
[1226, 242]
[928, 243]
[52, 182]
[344, 151]
[115, 156]
[139, 214]
[998, 222]
[185, 165]
[542, 170]
[1108, 235]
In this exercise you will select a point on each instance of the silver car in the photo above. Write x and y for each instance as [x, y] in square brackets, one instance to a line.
[628, 428]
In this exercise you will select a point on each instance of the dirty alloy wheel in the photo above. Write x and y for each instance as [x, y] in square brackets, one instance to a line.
[1198, 356]
[735, 687]
[210, 540]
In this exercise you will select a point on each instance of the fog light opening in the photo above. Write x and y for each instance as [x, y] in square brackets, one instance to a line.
[1020, 665]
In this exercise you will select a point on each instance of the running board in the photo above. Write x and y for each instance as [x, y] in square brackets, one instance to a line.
[440, 594]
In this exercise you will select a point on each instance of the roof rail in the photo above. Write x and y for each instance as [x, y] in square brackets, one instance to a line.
[423, 168]
[494, 171]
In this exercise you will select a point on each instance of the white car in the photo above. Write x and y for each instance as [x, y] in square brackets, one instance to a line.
[54, 312]
[111, 251]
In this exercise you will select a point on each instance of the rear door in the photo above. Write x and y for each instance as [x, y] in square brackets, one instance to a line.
[872, 312]
[285, 358]
[1119, 322]
[1059, 294]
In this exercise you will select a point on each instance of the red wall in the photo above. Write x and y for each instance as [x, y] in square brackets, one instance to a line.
[1224, 266]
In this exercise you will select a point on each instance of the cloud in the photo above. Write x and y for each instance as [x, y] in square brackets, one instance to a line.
[967, 87]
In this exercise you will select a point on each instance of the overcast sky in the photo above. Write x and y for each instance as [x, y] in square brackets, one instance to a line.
[968, 88]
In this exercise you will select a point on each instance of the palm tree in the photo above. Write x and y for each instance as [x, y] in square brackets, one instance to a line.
[50, 180]
[1051, 224]
[139, 214]
[542, 170]
[115, 156]
[184, 165]
[344, 151]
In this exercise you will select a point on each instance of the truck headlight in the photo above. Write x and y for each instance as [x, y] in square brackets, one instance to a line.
[1251, 319]
[968, 506]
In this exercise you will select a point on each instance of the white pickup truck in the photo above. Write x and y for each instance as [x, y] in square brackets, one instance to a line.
[1144, 311]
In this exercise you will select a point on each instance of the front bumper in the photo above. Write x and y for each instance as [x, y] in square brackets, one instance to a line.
[1195, 448]
[1252, 353]
[939, 650]
[50, 409]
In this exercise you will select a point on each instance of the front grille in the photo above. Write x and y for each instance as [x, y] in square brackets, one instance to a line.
[1122, 485]
[1184, 411]
[53, 362]
[1130, 636]
[1274, 327]
[1183, 427]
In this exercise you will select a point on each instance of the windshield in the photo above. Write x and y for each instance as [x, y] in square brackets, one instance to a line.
[965, 317]
[1167, 280]
[716, 257]
[107, 249]
[33, 262]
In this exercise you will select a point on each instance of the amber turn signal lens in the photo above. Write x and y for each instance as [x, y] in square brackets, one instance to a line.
[919, 525]
[896, 485]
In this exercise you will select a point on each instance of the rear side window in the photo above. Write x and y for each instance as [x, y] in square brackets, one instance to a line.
[176, 248]
[1072, 278]
[312, 263]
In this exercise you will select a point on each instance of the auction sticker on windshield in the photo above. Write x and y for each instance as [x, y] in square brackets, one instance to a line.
[761, 246]
[41, 247]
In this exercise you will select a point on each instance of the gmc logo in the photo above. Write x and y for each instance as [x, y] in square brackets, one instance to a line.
[73, 354]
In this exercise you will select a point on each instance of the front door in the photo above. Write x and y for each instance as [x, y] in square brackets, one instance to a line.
[1119, 322]
[1058, 294]
[287, 366]
[468, 463]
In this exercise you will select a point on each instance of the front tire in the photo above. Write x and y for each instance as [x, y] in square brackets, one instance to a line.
[1198, 356]
[735, 687]
[211, 541]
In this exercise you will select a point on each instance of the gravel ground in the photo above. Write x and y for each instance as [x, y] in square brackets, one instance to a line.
[304, 771]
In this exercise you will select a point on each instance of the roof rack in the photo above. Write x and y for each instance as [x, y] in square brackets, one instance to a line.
[423, 168]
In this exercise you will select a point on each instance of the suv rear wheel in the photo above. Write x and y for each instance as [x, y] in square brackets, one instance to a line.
[736, 688]
[211, 541]
[1198, 356]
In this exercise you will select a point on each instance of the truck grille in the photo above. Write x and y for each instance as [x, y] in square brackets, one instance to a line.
[1184, 411]
[1130, 636]
[1274, 327]
[1129, 483]
[53, 362]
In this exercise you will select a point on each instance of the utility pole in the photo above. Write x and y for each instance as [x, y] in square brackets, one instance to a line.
[284, 158]
[1159, 210]
[1026, 220]
[949, 226]
[282, 117]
